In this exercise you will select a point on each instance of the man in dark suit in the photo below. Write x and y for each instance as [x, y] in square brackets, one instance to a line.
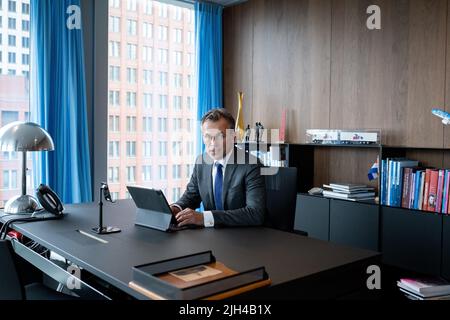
[228, 183]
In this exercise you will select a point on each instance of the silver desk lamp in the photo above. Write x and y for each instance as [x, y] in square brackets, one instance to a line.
[24, 136]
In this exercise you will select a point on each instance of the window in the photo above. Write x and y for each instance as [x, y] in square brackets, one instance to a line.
[190, 103]
[147, 124]
[177, 125]
[190, 125]
[131, 124]
[113, 174]
[9, 179]
[163, 10]
[114, 4]
[25, 42]
[176, 171]
[162, 172]
[12, 5]
[189, 59]
[131, 75]
[177, 102]
[176, 148]
[163, 79]
[190, 148]
[162, 35]
[131, 5]
[131, 174]
[189, 81]
[25, 59]
[25, 25]
[163, 149]
[114, 123]
[176, 193]
[148, 7]
[114, 24]
[114, 49]
[12, 57]
[178, 80]
[114, 73]
[163, 101]
[12, 23]
[114, 98]
[9, 116]
[25, 8]
[12, 41]
[190, 38]
[178, 58]
[177, 35]
[163, 54]
[131, 27]
[131, 99]
[147, 29]
[148, 77]
[162, 125]
[147, 149]
[113, 149]
[189, 170]
[131, 149]
[1, 20]
[11, 72]
[146, 173]
[147, 54]
[146, 83]
[148, 100]
[131, 51]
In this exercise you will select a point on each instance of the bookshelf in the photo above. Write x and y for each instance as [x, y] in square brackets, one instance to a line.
[410, 239]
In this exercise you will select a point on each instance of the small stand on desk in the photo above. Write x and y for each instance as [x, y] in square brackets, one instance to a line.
[100, 229]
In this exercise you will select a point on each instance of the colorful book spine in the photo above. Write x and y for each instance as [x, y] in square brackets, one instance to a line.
[440, 191]
[406, 186]
[432, 195]
[445, 193]
[427, 189]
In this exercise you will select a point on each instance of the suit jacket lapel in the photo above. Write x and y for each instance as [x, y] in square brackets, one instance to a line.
[207, 173]
[229, 172]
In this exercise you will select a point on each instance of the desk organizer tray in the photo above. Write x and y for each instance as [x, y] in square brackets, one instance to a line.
[196, 276]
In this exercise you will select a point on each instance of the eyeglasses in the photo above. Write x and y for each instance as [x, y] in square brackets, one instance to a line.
[218, 137]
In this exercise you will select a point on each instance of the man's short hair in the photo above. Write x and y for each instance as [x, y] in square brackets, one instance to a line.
[217, 114]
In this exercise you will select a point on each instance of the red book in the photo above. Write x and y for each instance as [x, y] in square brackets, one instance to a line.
[432, 194]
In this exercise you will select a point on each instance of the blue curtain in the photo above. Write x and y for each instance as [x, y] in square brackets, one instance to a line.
[208, 34]
[58, 100]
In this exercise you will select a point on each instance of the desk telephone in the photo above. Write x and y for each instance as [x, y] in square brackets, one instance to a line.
[48, 199]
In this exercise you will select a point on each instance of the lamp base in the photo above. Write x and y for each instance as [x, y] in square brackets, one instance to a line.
[106, 230]
[24, 204]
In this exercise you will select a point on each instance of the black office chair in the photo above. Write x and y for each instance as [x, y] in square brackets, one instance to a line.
[12, 288]
[281, 196]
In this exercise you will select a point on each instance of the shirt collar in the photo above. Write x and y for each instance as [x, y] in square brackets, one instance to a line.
[224, 160]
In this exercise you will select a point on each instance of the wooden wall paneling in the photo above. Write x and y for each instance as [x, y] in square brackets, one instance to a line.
[321, 166]
[389, 78]
[447, 81]
[238, 58]
[427, 158]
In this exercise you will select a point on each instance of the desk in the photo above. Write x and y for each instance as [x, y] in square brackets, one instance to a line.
[299, 267]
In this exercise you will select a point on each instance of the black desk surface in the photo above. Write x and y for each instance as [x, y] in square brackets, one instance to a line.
[286, 256]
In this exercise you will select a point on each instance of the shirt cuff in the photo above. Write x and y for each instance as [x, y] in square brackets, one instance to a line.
[177, 206]
[208, 219]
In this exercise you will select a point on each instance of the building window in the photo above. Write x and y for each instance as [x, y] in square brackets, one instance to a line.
[148, 30]
[163, 79]
[25, 59]
[146, 173]
[11, 23]
[114, 98]
[178, 80]
[131, 149]
[190, 125]
[131, 75]
[114, 3]
[163, 56]
[11, 72]
[131, 51]
[113, 149]
[176, 171]
[12, 41]
[131, 5]
[147, 149]
[176, 148]
[114, 73]
[189, 59]
[162, 125]
[163, 101]
[113, 174]
[25, 42]
[131, 124]
[163, 149]
[148, 100]
[190, 38]
[178, 35]
[178, 58]
[25, 25]
[148, 77]
[163, 10]
[12, 5]
[162, 35]
[178, 14]
[162, 172]
[189, 170]
[132, 27]
[25, 8]
[131, 174]
[177, 125]
[148, 7]
[114, 123]
[177, 102]
[190, 148]
[114, 24]
[190, 103]
[9, 179]
[11, 57]
[147, 54]
[114, 49]
[147, 124]
[131, 99]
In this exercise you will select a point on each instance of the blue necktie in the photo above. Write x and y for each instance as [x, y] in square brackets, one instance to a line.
[218, 182]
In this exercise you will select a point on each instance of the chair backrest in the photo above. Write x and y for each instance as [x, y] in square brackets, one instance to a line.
[281, 195]
[11, 288]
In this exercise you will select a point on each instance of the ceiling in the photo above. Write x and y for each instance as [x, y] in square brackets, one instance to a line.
[227, 3]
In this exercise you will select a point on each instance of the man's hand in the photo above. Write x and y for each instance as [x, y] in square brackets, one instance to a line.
[174, 209]
[189, 216]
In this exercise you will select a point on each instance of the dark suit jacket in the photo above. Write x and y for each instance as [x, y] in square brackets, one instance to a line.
[243, 196]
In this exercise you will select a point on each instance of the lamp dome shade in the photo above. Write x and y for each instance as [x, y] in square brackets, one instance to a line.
[25, 136]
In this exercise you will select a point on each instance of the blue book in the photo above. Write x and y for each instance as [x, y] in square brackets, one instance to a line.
[417, 188]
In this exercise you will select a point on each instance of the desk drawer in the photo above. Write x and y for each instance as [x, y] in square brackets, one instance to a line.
[56, 272]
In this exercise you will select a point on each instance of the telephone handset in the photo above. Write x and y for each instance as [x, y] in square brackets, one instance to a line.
[49, 200]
